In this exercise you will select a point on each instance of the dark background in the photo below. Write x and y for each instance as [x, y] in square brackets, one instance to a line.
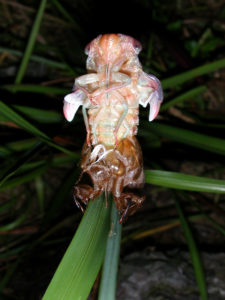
[38, 215]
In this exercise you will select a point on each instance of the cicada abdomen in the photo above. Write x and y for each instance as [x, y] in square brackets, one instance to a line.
[110, 95]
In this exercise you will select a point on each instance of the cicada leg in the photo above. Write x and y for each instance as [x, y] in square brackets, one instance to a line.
[81, 195]
[122, 117]
[86, 124]
[82, 83]
[122, 79]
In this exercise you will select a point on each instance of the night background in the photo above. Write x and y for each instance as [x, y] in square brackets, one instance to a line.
[174, 246]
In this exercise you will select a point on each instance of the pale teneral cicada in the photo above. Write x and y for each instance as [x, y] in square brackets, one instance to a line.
[110, 95]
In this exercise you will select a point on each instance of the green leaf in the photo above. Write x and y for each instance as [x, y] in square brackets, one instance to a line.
[70, 18]
[31, 42]
[17, 146]
[184, 182]
[188, 75]
[21, 122]
[23, 178]
[40, 115]
[36, 58]
[211, 220]
[40, 190]
[107, 290]
[189, 137]
[197, 264]
[15, 223]
[14, 166]
[35, 88]
[185, 96]
[61, 192]
[82, 261]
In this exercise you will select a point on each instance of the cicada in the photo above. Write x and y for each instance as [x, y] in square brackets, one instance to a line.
[110, 95]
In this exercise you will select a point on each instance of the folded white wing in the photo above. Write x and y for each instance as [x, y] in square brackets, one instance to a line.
[71, 104]
[150, 91]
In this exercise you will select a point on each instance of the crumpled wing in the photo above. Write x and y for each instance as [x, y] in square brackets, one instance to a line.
[150, 91]
[71, 104]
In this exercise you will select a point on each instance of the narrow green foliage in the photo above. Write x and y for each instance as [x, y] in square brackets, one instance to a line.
[23, 178]
[196, 260]
[31, 42]
[21, 145]
[184, 182]
[23, 172]
[195, 203]
[14, 166]
[10, 271]
[188, 75]
[60, 194]
[185, 96]
[66, 14]
[82, 261]
[40, 115]
[36, 58]
[35, 88]
[107, 289]
[194, 139]
[15, 223]
[21, 122]
[40, 190]
[52, 161]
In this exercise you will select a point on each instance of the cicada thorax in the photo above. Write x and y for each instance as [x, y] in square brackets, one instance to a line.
[114, 118]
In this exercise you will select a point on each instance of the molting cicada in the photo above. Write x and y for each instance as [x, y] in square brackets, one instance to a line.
[110, 95]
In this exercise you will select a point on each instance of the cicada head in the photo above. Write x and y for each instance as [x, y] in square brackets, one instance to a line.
[110, 50]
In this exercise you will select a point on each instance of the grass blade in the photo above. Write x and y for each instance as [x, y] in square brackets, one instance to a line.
[188, 137]
[23, 178]
[65, 13]
[21, 122]
[16, 146]
[31, 42]
[40, 115]
[188, 75]
[83, 258]
[184, 182]
[185, 96]
[9, 273]
[60, 194]
[36, 58]
[15, 166]
[199, 273]
[109, 271]
[35, 88]
[211, 220]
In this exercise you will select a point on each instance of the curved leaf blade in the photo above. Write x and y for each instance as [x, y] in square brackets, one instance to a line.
[184, 182]
[83, 258]
[189, 137]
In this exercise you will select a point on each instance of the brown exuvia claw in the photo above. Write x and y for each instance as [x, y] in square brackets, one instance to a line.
[127, 204]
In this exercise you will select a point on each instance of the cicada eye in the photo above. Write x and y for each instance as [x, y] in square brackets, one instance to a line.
[137, 46]
[87, 49]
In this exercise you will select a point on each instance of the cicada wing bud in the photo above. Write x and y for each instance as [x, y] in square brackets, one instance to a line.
[154, 106]
[150, 91]
[71, 104]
